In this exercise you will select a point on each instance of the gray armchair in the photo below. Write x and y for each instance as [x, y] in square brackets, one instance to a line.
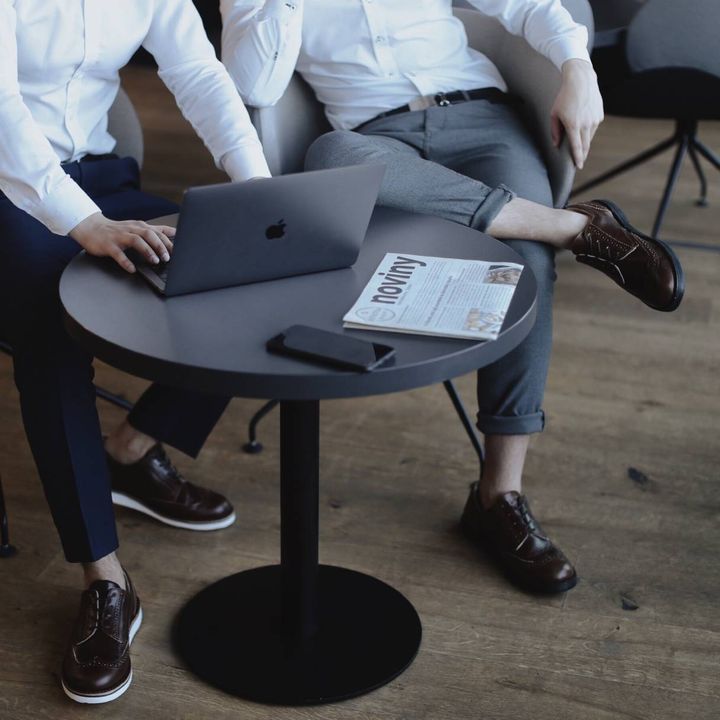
[288, 128]
[124, 126]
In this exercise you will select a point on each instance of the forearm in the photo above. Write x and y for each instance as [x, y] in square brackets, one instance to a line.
[203, 89]
[260, 46]
[545, 24]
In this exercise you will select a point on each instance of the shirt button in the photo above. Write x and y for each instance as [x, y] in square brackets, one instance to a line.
[379, 39]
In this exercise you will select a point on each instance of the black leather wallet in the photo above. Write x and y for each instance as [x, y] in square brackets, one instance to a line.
[330, 348]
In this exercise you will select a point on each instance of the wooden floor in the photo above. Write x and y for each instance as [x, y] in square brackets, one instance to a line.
[625, 478]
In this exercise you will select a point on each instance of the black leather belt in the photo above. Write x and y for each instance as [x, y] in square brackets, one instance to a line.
[443, 99]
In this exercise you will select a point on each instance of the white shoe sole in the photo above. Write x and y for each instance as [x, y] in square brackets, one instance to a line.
[117, 692]
[127, 502]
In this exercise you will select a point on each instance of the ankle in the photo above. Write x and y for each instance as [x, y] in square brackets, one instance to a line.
[573, 223]
[490, 490]
[127, 445]
[107, 568]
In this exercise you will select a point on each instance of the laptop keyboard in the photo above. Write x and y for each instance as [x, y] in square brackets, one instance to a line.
[161, 270]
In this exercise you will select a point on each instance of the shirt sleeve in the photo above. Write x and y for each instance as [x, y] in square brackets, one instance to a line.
[30, 172]
[545, 24]
[203, 89]
[260, 46]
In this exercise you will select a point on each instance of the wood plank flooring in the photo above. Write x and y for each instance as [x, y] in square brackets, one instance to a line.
[625, 478]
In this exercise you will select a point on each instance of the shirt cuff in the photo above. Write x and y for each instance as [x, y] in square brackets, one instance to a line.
[245, 163]
[567, 48]
[64, 207]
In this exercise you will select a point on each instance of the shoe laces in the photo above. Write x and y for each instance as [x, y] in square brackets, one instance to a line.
[527, 517]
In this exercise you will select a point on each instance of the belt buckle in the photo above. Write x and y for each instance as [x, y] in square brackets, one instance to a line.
[442, 100]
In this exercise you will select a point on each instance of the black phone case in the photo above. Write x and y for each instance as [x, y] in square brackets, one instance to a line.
[330, 348]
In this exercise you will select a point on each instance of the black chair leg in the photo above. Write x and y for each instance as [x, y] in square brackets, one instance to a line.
[670, 185]
[702, 201]
[465, 420]
[707, 153]
[113, 399]
[6, 549]
[627, 165]
[252, 446]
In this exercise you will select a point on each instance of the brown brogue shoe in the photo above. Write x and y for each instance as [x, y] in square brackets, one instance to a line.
[513, 538]
[647, 268]
[96, 667]
[153, 486]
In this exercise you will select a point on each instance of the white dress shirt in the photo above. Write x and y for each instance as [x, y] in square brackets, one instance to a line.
[363, 57]
[59, 62]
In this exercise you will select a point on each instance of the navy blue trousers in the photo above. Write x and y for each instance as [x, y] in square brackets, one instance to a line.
[54, 375]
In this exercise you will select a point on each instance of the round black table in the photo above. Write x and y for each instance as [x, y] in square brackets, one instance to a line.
[297, 632]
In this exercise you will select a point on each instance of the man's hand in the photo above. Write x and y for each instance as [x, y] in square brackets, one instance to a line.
[578, 109]
[110, 238]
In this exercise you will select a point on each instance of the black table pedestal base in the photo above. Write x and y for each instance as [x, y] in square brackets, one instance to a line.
[231, 635]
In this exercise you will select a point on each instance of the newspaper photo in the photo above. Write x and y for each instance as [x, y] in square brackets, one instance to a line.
[448, 297]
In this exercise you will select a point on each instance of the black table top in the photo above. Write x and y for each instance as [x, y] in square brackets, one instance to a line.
[215, 341]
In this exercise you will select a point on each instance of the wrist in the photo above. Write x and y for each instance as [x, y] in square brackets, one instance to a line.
[577, 65]
[84, 226]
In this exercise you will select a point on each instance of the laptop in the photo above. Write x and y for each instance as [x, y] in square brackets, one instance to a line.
[269, 228]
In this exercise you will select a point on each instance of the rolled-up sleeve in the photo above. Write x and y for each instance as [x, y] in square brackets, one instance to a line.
[30, 172]
[547, 26]
[203, 89]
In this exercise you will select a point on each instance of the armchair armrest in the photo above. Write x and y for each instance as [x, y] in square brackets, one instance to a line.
[287, 129]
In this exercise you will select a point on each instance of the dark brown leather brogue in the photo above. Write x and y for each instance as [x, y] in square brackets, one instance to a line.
[96, 667]
[647, 268]
[513, 538]
[154, 486]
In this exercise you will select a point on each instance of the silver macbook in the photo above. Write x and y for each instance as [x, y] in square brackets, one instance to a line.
[239, 233]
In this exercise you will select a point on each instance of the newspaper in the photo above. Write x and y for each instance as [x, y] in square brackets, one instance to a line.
[436, 296]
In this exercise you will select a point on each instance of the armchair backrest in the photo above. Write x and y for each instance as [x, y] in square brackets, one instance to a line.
[288, 128]
[124, 126]
[669, 33]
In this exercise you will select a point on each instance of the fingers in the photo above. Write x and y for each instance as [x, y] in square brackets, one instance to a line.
[140, 245]
[167, 242]
[576, 146]
[154, 241]
[116, 253]
[167, 235]
[166, 229]
[556, 130]
[586, 135]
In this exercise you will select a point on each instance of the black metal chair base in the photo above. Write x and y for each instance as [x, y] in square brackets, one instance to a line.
[7, 551]
[231, 635]
[685, 141]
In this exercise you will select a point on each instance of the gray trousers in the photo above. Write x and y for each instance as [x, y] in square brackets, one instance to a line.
[464, 163]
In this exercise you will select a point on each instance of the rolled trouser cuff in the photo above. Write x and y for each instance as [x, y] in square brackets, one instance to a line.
[511, 425]
[491, 206]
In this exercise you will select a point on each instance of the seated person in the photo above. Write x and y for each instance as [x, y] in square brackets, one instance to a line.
[388, 73]
[62, 190]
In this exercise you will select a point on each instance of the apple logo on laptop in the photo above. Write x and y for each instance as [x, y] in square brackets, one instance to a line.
[275, 231]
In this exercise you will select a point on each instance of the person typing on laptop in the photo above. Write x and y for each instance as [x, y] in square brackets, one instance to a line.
[401, 86]
[62, 190]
